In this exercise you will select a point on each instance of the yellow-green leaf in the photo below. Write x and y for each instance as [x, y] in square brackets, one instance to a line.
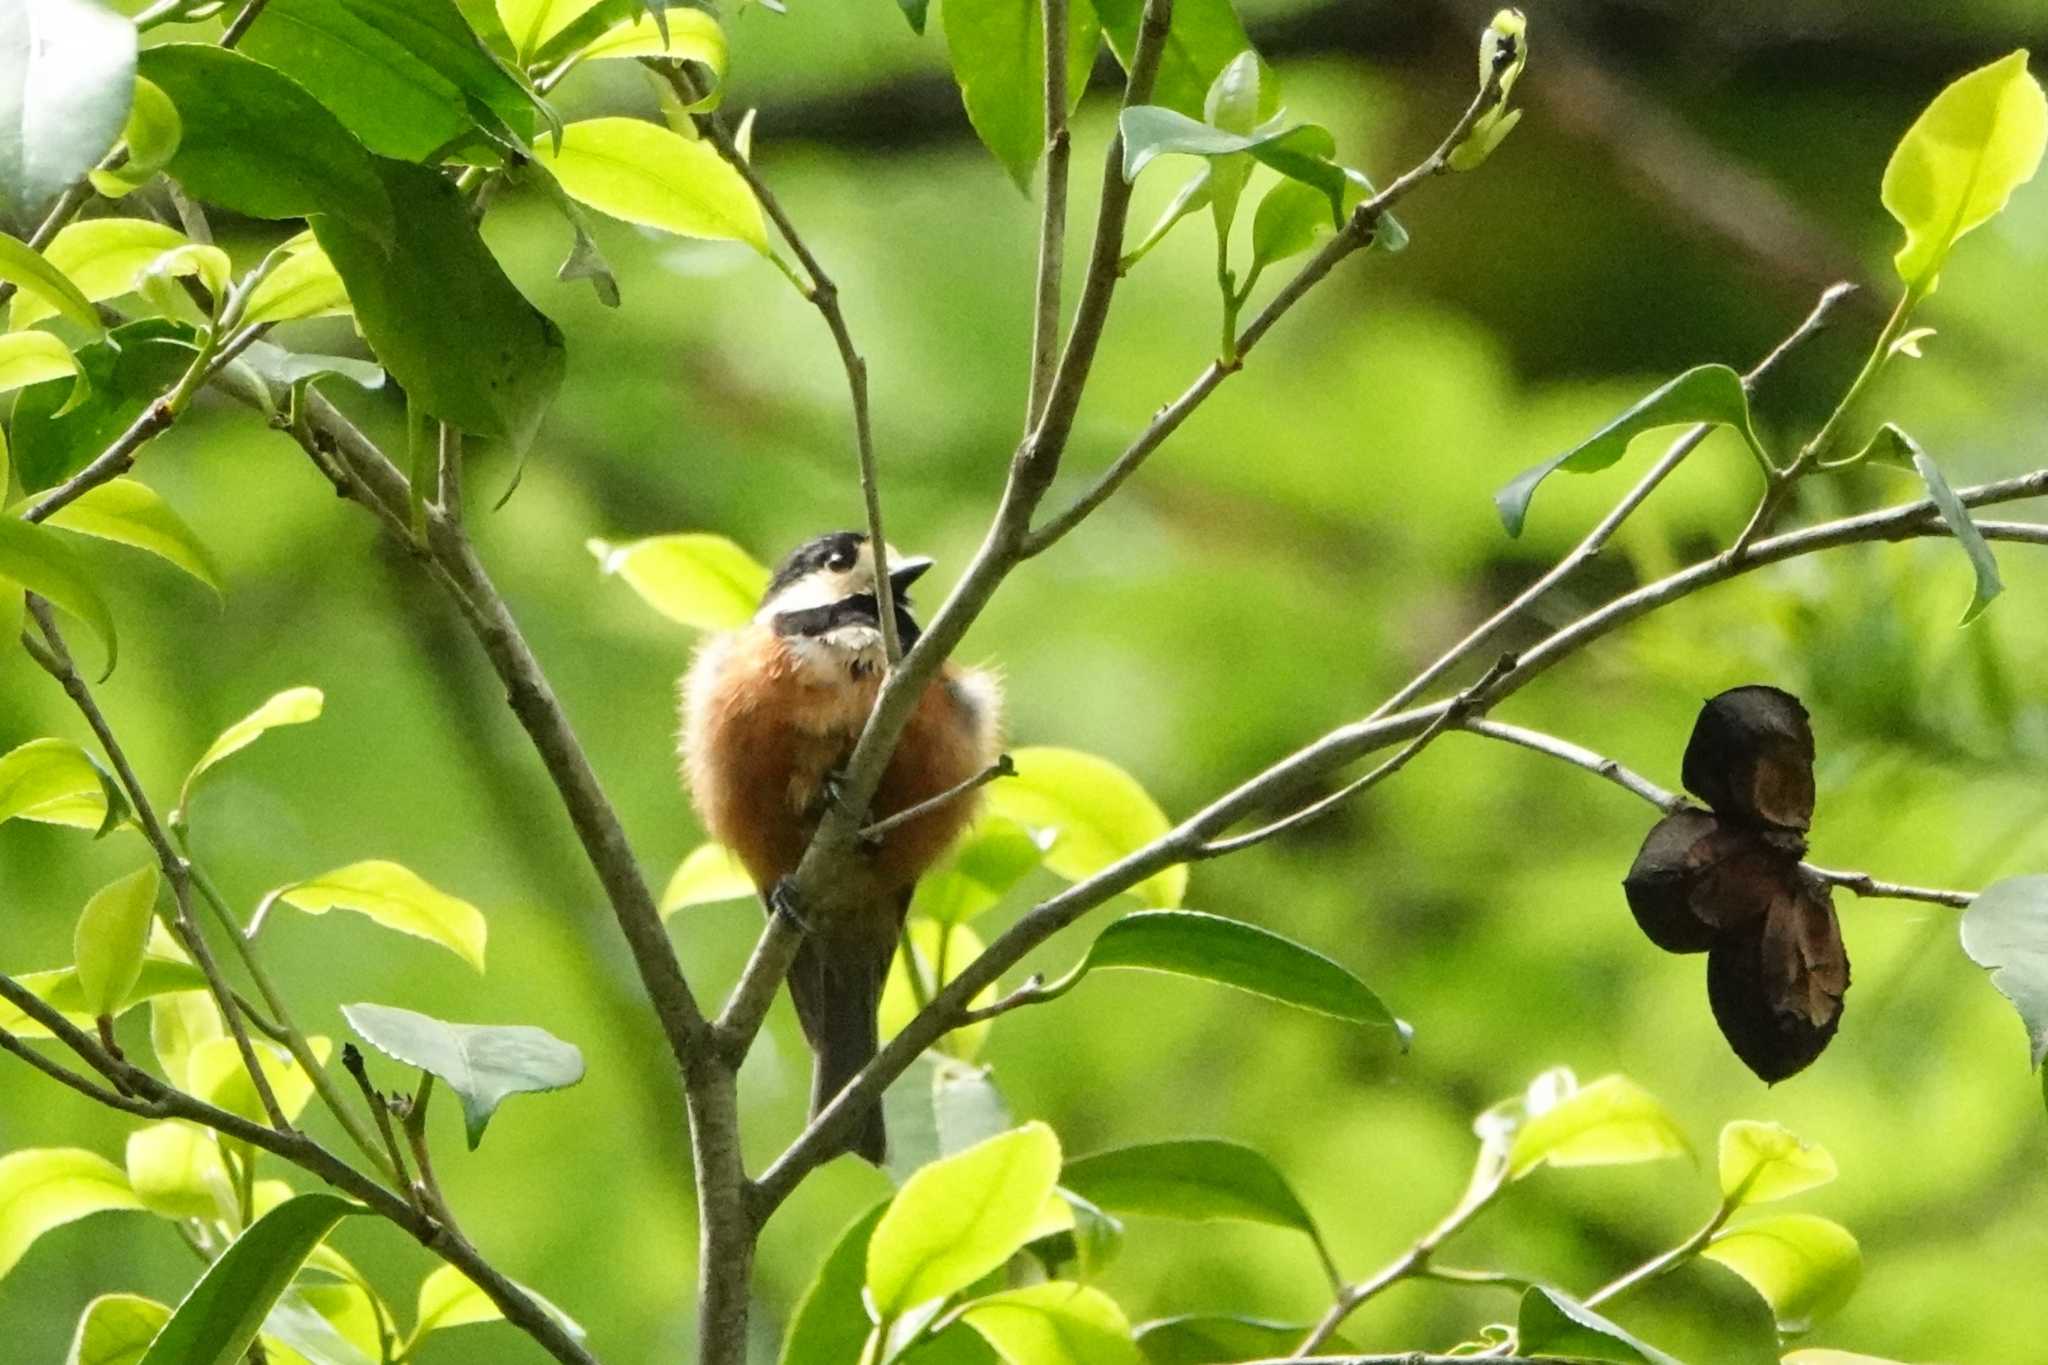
[992, 857]
[133, 513]
[657, 178]
[30, 358]
[216, 1075]
[1979, 140]
[152, 136]
[693, 36]
[1055, 1323]
[303, 285]
[176, 1170]
[1763, 1161]
[116, 1329]
[293, 706]
[59, 989]
[46, 1187]
[1611, 1122]
[703, 581]
[1805, 1267]
[101, 257]
[709, 874]
[39, 560]
[53, 781]
[530, 23]
[942, 951]
[1096, 812]
[449, 1298]
[34, 274]
[108, 942]
[397, 898]
[961, 1217]
[207, 264]
[179, 1024]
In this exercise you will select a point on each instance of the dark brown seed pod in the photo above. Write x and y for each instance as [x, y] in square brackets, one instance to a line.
[1696, 879]
[1751, 758]
[1777, 991]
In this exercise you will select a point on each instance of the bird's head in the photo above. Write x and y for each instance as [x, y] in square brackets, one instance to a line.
[824, 590]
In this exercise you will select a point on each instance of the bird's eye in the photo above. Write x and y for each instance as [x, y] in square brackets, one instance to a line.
[841, 561]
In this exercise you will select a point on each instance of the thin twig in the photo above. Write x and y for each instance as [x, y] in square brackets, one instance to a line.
[127, 1104]
[1002, 767]
[352, 1062]
[241, 22]
[1052, 226]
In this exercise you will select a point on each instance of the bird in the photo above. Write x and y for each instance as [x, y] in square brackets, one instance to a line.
[771, 711]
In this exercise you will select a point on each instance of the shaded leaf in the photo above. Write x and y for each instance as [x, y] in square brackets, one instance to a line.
[1203, 38]
[997, 48]
[709, 873]
[649, 175]
[483, 1064]
[1805, 1267]
[217, 1074]
[39, 560]
[116, 1329]
[1192, 197]
[1097, 812]
[1705, 393]
[294, 1325]
[222, 1314]
[942, 952]
[1551, 1323]
[830, 1323]
[1761, 1162]
[1223, 1339]
[44, 1188]
[132, 513]
[1983, 565]
[293, 706]
[397, 898]
[56, 434]
[1055, 1323]
[961, 1217]
[937, 1107]
[67, 70]
[1611, 1122]
[109, 939]
[151, 136]
[2005, 931]
[703, 581]
[275, 366]
[980, 869]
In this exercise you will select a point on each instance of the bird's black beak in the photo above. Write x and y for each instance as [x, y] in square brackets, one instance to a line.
[907, 572]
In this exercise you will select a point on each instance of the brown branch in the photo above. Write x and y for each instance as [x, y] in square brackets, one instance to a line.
[1052, 227]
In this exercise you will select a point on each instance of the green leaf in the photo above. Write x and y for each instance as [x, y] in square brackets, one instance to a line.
[1191, 198]
[31, 358]
[1612, 1122]
[59, 989]
[132, 513]
[44, 1188]
[708, 874]
[1096, 811]
[36, 275]
[830, 1323]
[693, 36]
[937, 1107]
[39, 560]
[257, 143]
[180, 1024]
[943, 952]
[295, 1324]
[221, 1316]
[960, 1218]
[407, 77]
[1503, 52]
[1805, 1267]
[1204, 37]
[176, 1170]
[531, 23]
[1094, 1240]
[1195, 1179]
[293, 706]
[983, 865]
[58, 783]
[2005, 931]
[109, 939]
[1761, 1162]
[483, 1064]
[67, 70]
[703, 581]
[585, 260]
[207, 264]
[1556, 1324]
[397, 898]
[997, 48]
[276, 366]
[1055, 1323]
[449, 1298]
[496, 387]
[304, 285]
[1894, 445]
[1704, 393]
[649, 175]
[101, 258]
[1244, 956]
[218, 1075]
[1979, 140]
[116, 1329]
[1290, 217]
[151, 135]
[1223, 1339]
[56, 434]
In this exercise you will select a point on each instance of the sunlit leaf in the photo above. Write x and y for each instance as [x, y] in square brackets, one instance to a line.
[482, 1064]
[1556, 1324]
[303, 285]
[1979, 140]
[397, 898]
[1805, 1267]
[991, 858]
[1097, 811]
[132, 513]
[67, 69]
[217, 1075]
[31, 358]
[530, 23]
[44, 1188]
[942, 950]
[651, 176]
[223, 1312]
[708, 874]
[34, 274]
[2005, 931]
[54, 781]
[703, 581]
[101, 257]
[116, 1329]
[959, 1218]
[176, 1170]
[293, 706]
[1704, 393]
[997, 49]
[109, 939]
[38, 559]
[59, 989]
[180, 1024]
[1814, 1355]
[1761, 1162]
[1611, 1122]
[151, 137]
[693, 36]
[449, 1298]
[1055, 1323]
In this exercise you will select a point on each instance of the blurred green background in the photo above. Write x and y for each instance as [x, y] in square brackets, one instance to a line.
[1685, 180]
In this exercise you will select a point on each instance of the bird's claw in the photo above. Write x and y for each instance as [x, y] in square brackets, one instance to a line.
[782, 902]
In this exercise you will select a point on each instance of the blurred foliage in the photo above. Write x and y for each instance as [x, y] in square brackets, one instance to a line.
[1317, 531]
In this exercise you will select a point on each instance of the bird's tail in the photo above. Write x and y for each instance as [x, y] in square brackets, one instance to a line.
[837, 988]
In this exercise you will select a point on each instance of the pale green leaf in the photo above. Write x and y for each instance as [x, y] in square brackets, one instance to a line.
[531, 23]
[1761, 1162]
[34, 275]
[179, 1024]
[397, 898]
[1192, 197]
[482, 1064]
[197, 260]
[132, 513]
[116, 1329]
[983, 865]
[1096, 811]
[1055, 1323]
[1611, 1122]
[222, 1314]
[651, 176]
[1814, 1355]
[46, 1187]
[1805, 1267]
[942, 951]
[830, 1322]
[53, 780]
[961, 1217]
[693, 36]
[293, 706]
[1979, 140]
[109, 939]
[30, 358]
[67, 71]
[176, 1170]
[216, 1074]
[59, 989]
[708, 874]
[296, 1332]
[101, 257]
[703, 581]
[1555, 1324]
[303, 285]
[449, 1298]
[38, 559]
[151, 136]
[1222, 1339]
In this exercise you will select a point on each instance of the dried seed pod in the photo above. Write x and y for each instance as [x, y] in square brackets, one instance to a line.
[1777, 991]
[1696, 879]
[1751, 758]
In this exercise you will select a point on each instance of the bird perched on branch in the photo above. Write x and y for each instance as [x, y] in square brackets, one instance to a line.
[771, 712]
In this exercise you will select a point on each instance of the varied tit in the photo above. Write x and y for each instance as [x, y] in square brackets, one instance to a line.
[771, 712]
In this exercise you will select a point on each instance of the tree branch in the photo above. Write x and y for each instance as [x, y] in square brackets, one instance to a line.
[1052, 229]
